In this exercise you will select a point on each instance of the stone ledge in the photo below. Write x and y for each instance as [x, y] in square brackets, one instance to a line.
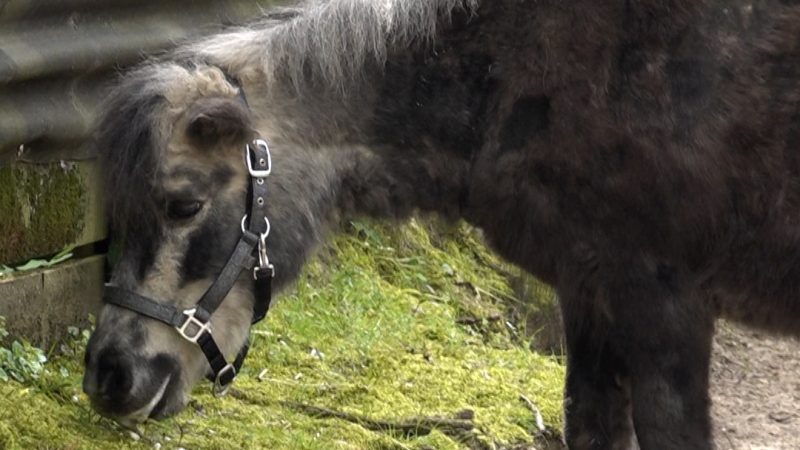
[40, 305]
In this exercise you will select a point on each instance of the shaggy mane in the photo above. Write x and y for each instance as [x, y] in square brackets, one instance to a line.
[319, 43]
[326, 41]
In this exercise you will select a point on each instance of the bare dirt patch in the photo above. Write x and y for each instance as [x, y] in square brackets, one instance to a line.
[755, 389]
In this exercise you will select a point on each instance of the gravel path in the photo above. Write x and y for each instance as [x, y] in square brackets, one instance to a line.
[755, 387]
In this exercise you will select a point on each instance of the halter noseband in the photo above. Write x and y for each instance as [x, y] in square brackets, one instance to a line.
[193, 324]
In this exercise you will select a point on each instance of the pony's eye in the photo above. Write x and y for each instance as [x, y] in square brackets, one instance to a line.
[183, 209]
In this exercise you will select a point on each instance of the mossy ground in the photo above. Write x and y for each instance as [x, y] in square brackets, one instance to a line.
[389, 322]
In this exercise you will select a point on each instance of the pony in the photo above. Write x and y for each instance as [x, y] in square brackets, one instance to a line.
[641, 156]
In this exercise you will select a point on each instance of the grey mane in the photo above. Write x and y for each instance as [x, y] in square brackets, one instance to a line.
[316, 46]
[327, 42]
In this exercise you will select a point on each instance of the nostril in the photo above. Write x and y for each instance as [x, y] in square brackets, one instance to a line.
[114, 374]
[115, 382]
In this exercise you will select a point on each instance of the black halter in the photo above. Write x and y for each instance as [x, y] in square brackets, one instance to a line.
[250, 253]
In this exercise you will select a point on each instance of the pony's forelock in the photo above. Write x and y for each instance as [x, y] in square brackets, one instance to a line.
[126, 140]
[136, 121]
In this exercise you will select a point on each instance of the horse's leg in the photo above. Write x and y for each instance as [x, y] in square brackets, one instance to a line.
[665, 338]
[597, 392]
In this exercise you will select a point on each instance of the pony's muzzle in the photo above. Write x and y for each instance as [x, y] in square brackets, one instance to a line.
[129, 387]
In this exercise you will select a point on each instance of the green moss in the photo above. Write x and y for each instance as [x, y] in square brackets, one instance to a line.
[7, 439]
[373, 328]
[41, 209]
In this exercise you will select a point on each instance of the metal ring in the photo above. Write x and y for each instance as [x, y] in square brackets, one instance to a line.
[269, 228]
[262, 235]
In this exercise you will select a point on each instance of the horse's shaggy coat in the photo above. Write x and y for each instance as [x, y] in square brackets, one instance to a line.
[640, 155]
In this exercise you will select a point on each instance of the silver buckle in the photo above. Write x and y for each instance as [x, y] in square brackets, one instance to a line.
[258, 173]
[220, 390]
[258, 269]
[191, 321]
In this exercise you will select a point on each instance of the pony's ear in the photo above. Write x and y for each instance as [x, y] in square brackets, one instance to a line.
[215, 121]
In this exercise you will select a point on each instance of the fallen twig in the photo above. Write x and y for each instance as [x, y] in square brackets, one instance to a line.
[472, 321]
[415, 426]
[537, 414]
[547, 438]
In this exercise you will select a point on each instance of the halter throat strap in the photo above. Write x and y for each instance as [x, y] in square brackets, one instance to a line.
[250, 253]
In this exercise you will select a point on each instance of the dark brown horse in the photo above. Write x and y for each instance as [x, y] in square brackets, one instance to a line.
[642, 156]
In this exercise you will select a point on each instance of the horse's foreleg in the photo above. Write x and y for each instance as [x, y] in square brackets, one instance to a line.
[597, 392]
[665, 340]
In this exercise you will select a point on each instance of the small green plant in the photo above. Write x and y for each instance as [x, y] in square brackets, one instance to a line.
[5, 270]
[21, 361]
[78, 339]
[38, 263]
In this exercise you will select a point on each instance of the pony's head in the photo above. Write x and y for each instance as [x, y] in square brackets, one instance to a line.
[172, 139]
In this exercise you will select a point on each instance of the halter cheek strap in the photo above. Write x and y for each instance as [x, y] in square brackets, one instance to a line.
[250, 252]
